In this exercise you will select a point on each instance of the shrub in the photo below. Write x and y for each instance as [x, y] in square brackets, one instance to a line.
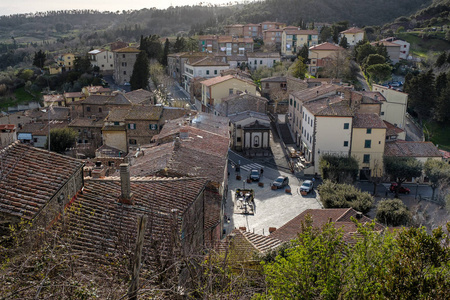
[335, 195]
[393, 212]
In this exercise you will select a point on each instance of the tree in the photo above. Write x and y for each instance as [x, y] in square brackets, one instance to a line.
[338, 168]
[438, 172]
[61, 139]
[379, 72]
[82, 64]
[442, 110]
[312, 269]
[325, 34]
[299, 68]
[152, 46]
[393, 212]
[165, 53]
[374, 59]
[442, 58]
[180, 44]
[363, 50]
[141, 73]
[343, 43]
[39, 59]
[402, 168]
[303, 53]
[336, 195]
[421, 94]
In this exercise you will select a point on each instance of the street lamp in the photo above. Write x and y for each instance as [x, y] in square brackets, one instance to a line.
[243, 184]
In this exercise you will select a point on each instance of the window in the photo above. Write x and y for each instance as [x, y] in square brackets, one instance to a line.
[345, 143]
[260, 62]
[100, 109]
[131, 126]
[256, 62]
[103, 66]
[366, 158]
[124, 64]
[346, 125]
[238, 139]
[88, 108]
[153, 127]
[124, 72]
[123, 55]
[367, 143]
[230, 91]
[215, 72]
[116, 123]
[382, 113]
[256, 141]
[290, 102]
[207, 72]
[132, 142]
[369, 130]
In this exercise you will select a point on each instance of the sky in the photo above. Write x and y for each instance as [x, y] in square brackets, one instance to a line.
[32, 6]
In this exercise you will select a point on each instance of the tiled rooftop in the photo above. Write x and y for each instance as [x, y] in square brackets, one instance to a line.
[30, 177]
[340, 216]
[139, 96]
[391, 129]
[104, 226]
[401, 148]
[353, 30]
[326, 46]
[115, 99]
[329, 106]
[263, 55]
[368, 121]
[311, 93]
[245, 244]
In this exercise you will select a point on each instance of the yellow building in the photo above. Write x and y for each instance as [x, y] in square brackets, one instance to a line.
[67, 61]
[217, 88]
[393, 109]
[73, 97]
[292, 40]
[368, 142]
[114, 131]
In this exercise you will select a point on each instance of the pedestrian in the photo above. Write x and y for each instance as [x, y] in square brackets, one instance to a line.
[313, 180]
[262, 171]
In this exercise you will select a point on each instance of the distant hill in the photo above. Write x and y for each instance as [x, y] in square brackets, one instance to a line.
[174, 20]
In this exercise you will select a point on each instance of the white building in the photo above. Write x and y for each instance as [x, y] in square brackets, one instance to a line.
[256, 60]
[250, 131]
[103, 59]
[326, 128]
[206, 67]
[404, 46]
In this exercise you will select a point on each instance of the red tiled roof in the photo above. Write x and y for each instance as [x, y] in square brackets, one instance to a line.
[386, 44]
[31, 177]
[127, 50]
[7, 127]
[104, 226]
[391, 129]
[353, 30]
[401, 148]
[139, 96]
[326, 46]
[53, 98]
[220, 79]
[341, 217]
[245, 244]
[445, 154]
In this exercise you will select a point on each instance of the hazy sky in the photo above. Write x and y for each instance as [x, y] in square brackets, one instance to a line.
[8, 7]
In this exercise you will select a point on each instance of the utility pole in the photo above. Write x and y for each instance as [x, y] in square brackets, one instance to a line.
[132, 291]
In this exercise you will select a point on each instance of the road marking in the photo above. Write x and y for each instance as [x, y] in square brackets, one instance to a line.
[249, 167]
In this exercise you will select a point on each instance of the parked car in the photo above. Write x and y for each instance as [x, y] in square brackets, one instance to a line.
[255, 174]
[307, 186]
[401, 190]
[281, 182]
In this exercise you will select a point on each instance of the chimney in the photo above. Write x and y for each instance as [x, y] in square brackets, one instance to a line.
[126, 194]
[177, 143]
[184, 133]
[359, 215]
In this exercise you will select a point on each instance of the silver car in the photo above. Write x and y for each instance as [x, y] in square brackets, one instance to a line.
[281, 182]
[307, 186]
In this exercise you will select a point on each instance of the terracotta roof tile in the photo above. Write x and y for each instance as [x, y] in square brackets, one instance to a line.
[30, 177]
[139, 96]
[326, 46]
[401, 148]
[368, 121]
[353, 30]
[340, 216]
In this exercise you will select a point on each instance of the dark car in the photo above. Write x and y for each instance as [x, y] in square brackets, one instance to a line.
[255, 174]
[401, 190]
[281, 182]
[307, 186]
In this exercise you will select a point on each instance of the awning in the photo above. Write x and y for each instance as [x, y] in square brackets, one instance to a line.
[24, 136]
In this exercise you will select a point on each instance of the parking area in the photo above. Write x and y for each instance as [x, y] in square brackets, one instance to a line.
[273, 208]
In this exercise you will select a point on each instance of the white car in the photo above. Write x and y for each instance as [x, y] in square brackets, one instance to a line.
[307, 186]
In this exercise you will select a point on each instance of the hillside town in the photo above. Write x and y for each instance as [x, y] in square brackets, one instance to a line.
[209, 161]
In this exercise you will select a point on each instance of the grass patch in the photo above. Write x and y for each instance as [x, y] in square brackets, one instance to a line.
[20, 96]
[421, 47]
[438, 134]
